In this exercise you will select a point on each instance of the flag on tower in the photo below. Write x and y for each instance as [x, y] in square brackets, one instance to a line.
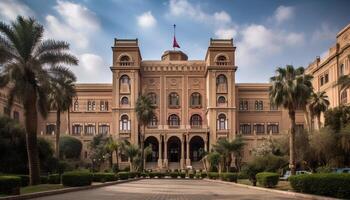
[175, 44]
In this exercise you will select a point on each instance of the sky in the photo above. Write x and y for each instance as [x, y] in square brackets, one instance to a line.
[267, 34]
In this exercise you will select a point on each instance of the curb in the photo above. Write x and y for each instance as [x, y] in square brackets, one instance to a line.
[293, 194]
[65, 190]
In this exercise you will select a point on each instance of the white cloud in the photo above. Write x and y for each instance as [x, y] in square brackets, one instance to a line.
[226, 33]
[75, 23]
[91, 61]
[146, 20]
[183, 8]
[284, 13]
[257, 42]
[10, 9]
[325, 32]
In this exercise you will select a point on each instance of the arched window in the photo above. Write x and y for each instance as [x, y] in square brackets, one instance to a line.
[196, 99]
[124, 84]
[344, 97]
[173, 99]
[259, 105]
[341, 70]
[125, 60]
[154, 122]
[76, 105]
[153, 97]
[221, 84]
[174, 121]
[124, 123]
[124, 101]
[221, 58]
[196, 121]
[222, 122]
[221, 100]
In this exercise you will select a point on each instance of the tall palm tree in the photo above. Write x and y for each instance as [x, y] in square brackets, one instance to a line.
[318, 104]
[145, 111]
[62, 92]
[290, 88]
[25, 58]
[131, 151]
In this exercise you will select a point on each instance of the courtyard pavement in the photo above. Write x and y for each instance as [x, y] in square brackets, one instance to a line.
[170, 189]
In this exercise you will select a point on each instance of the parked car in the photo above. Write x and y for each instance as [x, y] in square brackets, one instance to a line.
[288, 174]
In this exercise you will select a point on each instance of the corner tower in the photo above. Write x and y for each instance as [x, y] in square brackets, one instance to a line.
[220, 85]
[126, 88]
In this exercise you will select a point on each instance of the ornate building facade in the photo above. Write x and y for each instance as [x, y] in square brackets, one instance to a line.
[197, 102]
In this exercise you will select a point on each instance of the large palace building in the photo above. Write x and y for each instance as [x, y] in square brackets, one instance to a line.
[197, 102]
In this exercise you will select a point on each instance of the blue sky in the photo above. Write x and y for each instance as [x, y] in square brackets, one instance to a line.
[267, 34]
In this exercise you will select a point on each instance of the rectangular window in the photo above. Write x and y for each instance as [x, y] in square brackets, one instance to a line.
[243, 105]
[245, 129]
[104, 105]
[259, 128]
[326, 79]
[90, 129]
[76, 105]
[103, 129]
[91, 105]
[77, 129]
[50, 129]
[16, 115]
[322, 80]
[272, 128]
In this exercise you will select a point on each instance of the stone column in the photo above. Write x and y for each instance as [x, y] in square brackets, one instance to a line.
[188, 161]
[165, 152]
[160, 160]
[182, 153]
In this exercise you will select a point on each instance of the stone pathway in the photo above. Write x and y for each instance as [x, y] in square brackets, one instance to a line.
[170, 189]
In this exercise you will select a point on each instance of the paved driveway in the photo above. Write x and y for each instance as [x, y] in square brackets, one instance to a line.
[154, 189]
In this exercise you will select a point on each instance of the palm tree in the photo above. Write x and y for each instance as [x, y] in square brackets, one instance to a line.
[318, 104]
[25, 58]
[131, 151]
[290, 88]
[344, 82]
[62, 92]
[111, 146]
[145, 111]
[227, 149]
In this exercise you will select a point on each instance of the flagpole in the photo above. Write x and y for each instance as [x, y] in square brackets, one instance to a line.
[174, 35]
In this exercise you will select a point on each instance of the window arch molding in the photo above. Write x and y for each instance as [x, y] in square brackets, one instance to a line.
[173, 120]
[174, 99]
[221, 121]
[153, 97]
[124, 122]
[196, 99]
[196, 120]
[124, 100]
[221, 57]
[125, 55]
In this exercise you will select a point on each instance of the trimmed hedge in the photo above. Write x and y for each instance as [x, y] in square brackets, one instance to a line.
[24, 180]
[229, 176]
[191, 175]
[10, 185]
[44, 179]
[182, 175]
[213, 175]
[74, 179]
[204, 175]
[104, 177]
[173, 174]
[267, 179]
[54, 179]
[123, 175]
[327, 184]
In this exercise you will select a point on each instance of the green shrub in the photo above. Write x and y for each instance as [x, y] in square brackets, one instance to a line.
[267, 179]
[10, 185]
[151, 174]
[143, 175]
[331, 184]
[104, 177]
[324, 169]
[204, 175]
[198, 176]
[54, 179]
[191, 175]
[132, 174]
[229, 176]
[123, 175]
[242, 175]
[24, 180]
[213, 175]
[74, 179]
[182, 175]
[174, 174]
[44, 179]
[158, 174]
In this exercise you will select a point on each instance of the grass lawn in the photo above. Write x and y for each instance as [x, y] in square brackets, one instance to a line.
[282, 185]
[40, 188]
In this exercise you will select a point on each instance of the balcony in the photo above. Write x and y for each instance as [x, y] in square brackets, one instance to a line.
[222, 63]
[125, 133]
[125, 63]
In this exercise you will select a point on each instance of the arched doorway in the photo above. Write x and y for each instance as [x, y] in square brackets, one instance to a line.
[174, 149]
[153, 142]
[196, 148]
